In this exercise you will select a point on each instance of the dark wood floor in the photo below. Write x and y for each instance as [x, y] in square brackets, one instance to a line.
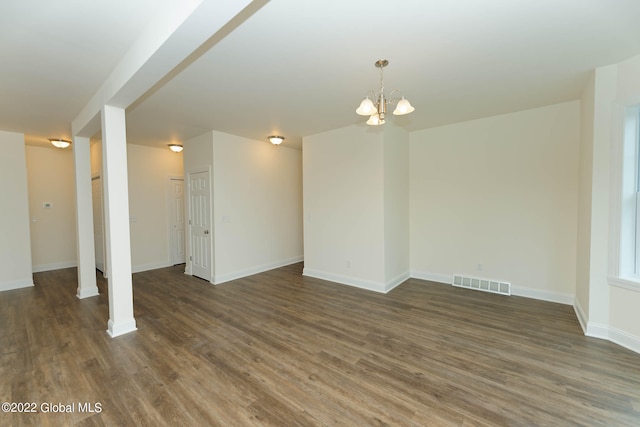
[279, 349]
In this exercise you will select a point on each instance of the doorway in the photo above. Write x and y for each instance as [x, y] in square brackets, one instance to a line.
[200, 224]
[98, 224]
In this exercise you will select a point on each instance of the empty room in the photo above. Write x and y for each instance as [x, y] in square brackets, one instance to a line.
[354, 213]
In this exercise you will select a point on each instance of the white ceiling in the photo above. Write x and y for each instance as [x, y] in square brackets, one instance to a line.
[297, 68]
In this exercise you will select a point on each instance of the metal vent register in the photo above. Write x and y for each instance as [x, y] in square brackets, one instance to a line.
[486, 285]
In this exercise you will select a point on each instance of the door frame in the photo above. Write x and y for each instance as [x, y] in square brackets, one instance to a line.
[188, 216]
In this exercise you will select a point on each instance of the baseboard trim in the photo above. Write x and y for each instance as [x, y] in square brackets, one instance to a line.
[396, 281]
[432, 277]
[597, 330]
[121, 328]
[368, 285]
[581, 315]
[515, 290]
[54, 266]
[150, 266]
[17, 284]
[625, 339]
[542, 295]
[222, 278]
[87, 292]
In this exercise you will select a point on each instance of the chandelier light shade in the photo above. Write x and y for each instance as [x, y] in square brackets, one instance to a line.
[60, 143]
[176, 148]
[367, 108]
[374, 120]
[276, 139]
[376, 108]
[403, 107]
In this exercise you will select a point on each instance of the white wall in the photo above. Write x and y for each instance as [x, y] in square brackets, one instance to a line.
[149, 170]
[53, 233]
[625, 302]
[611, 309]
[396, 205]
[500, 192]
[583, 256]
[257, 206]
[343, 183]
[15, 247]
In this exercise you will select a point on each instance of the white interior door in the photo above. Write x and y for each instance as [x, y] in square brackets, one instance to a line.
[200, 221]
[98, 225]
[176, 225]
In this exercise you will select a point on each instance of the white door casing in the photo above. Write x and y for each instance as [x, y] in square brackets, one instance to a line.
[176, 220]
[200, 224]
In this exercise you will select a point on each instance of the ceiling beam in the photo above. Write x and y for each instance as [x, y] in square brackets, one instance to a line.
[174, 38]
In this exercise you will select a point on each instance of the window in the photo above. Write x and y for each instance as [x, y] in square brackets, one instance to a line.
[630, 197]
[636, 167]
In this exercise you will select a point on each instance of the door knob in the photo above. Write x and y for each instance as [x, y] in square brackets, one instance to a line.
[206, 231]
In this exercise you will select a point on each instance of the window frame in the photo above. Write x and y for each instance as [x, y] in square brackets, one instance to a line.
[629, 197]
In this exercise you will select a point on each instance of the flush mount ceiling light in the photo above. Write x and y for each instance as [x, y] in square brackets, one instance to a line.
[59, 143]
[276, 139]
[176, 148]
[376, 109]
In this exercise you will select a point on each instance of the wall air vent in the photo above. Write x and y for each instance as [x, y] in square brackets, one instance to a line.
[486, 285]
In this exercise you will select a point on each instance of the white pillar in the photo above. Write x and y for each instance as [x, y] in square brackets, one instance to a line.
[116, 206]
[84, 219]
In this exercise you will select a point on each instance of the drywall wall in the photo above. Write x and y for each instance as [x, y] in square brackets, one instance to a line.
[625, 302]
[396, 205]
[583, 255]
[15, 242]
[614, 300]
[344, 226]
[497, 198]
[257, 206]
[52, 207]
[149, 170]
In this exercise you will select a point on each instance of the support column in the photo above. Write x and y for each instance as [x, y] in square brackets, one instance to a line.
[84, 219]
[116, 207]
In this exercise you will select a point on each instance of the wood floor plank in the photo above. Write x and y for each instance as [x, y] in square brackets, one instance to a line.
[281, 349]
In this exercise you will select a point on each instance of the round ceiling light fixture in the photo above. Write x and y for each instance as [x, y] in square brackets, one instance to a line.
[60, 143]
[276, 139]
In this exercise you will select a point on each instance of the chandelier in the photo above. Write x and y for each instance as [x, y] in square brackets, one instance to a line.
[376, 110]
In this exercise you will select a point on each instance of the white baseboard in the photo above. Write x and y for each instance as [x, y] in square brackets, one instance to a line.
[617, 336]
[121, 328]
[54, 266]
[625, 339]
[597, 330]
[227, 277]
[581, 315]
[542, 295]
[432, 277]
[150, 266]
[345, 280]
[16, 284]
[87, 293]
[515, 290]
[396, 281]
